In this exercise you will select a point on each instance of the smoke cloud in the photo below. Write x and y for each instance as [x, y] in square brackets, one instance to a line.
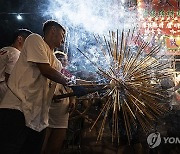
[83, 20]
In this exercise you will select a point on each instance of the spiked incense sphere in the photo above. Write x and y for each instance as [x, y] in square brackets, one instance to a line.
[132, 82]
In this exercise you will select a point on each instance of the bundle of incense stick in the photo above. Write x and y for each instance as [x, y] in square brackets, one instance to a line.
[133, 82]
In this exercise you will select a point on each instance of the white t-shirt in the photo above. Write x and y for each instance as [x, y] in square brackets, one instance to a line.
[8, 58]
[58, 112]
[30, 90]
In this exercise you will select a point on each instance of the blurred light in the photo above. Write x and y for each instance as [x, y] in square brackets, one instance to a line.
[176, 18]
[144, 25]
[149, 18]
[139, 4]
[171, 37]
[19, 17]
[162, 18]
[140, 11]
[162, 37]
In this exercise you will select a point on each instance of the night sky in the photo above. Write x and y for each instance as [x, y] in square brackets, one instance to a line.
[32, 17]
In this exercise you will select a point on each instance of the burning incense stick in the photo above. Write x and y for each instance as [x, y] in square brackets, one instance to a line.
[129, 85]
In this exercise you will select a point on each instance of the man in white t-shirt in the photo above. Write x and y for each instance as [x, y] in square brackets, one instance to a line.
[58, 113]
[24, 108]
[8, 57]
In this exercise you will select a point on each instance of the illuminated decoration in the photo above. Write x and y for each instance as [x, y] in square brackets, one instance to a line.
[161, 17]
[172, 43]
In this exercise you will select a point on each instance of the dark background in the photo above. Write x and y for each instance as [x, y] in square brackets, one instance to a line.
[30, 10]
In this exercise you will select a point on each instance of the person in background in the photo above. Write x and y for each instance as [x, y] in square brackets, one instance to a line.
[24, 108]
[8, 57]
[59, 113]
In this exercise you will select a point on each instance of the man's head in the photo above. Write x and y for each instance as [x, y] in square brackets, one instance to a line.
[54, 33]
[62, 57]
[19, 37]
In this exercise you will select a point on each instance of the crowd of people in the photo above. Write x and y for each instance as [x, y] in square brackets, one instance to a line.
[28, 82]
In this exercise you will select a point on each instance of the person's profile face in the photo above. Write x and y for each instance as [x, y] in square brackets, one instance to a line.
[59, 37]
[63, 60]
[21, 40]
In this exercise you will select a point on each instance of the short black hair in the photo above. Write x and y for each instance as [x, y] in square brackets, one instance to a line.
[49, 23]
[60, 54]
[21, 32]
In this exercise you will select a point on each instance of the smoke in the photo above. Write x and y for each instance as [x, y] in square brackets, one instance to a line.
[94, 16]
[83, 20]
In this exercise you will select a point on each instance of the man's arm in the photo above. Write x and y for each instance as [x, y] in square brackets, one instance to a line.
[52, 74]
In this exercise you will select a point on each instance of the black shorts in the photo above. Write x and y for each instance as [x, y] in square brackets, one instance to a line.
[15, 137]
